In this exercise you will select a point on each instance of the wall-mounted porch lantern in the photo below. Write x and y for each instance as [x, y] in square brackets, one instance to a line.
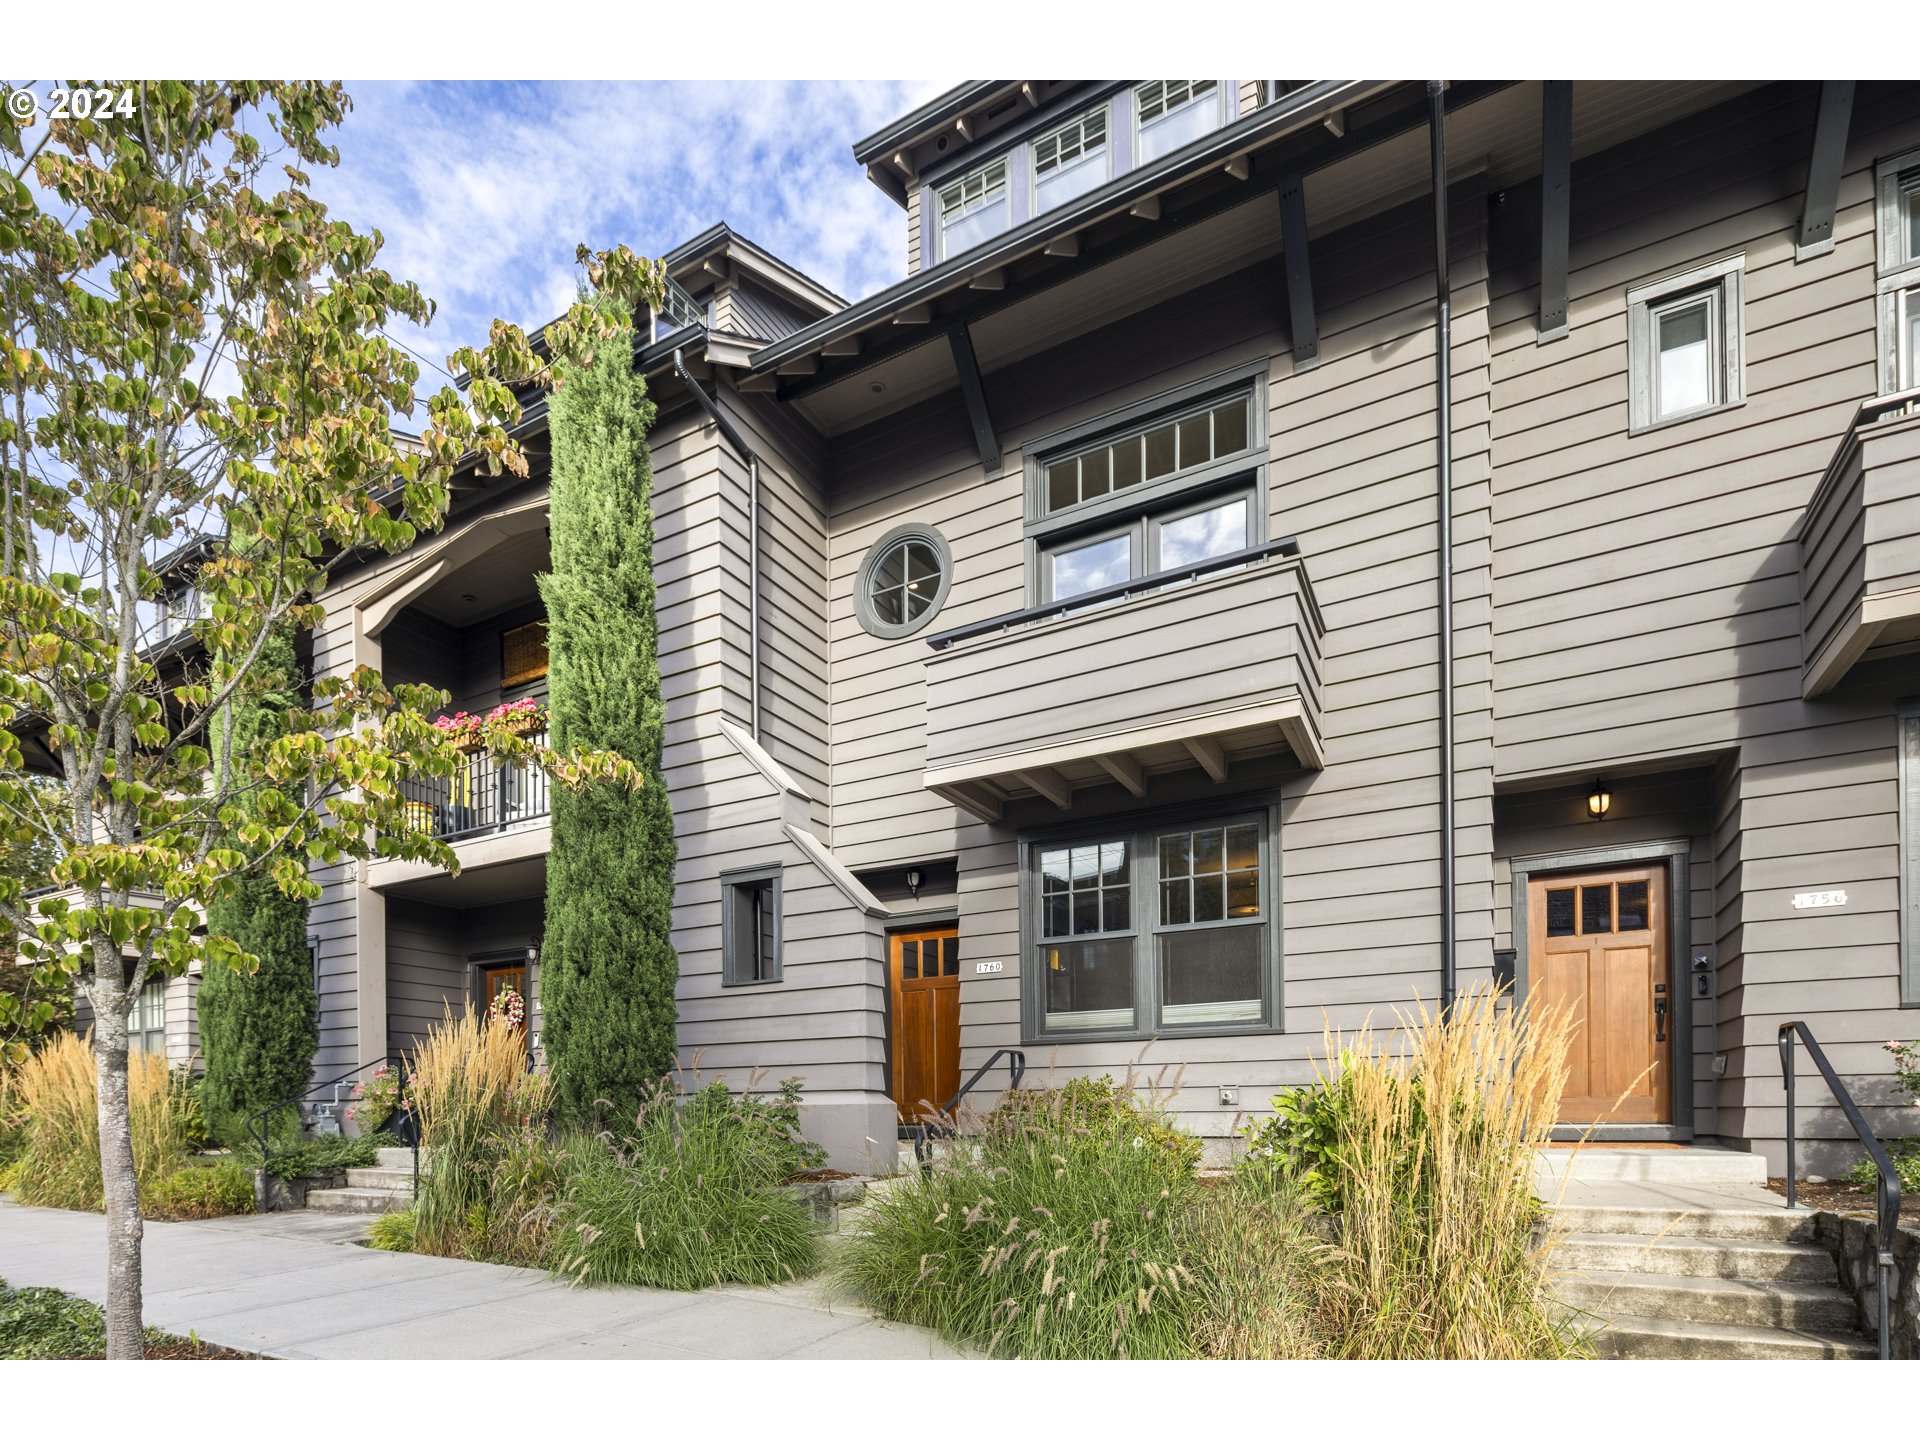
[1599, 800]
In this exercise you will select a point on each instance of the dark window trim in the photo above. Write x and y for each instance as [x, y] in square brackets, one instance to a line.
[751, 875]
[870, 620]
[1044, 532]
[1263, 807]
[1907, 733]
[1678, 857]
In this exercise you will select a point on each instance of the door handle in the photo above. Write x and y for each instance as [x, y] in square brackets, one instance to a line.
[1659, 1019]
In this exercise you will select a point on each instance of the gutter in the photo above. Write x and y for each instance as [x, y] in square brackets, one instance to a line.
[1305, 107]
[745, 452]
[1443, 479]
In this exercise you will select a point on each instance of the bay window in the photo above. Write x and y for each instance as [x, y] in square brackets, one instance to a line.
[1170, 928]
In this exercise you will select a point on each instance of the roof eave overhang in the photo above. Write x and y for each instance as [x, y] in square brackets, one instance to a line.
[1307, 106]
[916, 124]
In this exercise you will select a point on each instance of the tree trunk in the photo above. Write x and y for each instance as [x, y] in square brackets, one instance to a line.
[126, 1335]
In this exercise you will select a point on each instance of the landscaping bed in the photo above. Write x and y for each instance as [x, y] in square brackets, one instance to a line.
[37, 1323]
[1844, 1197]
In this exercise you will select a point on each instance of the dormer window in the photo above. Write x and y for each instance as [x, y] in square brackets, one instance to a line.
[973, 209]
[1172, 113]
[179, 609]
[1070, 161]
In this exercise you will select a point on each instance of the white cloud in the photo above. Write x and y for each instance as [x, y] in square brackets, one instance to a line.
[482, 191]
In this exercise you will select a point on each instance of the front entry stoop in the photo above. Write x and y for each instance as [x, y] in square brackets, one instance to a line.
[372, 1189]
[1663, 1270]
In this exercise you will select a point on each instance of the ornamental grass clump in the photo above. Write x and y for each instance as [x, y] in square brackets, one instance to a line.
[1437, 1255]
[57, 1090]
[479, 1107]
[1056, 1231]
[690, 1196]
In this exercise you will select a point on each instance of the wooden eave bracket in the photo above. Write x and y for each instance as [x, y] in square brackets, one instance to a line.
[1556, 171]
[1815, 233]
[967, 367]
[1294, 253]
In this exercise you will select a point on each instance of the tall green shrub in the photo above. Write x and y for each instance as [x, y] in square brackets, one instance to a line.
[608, 967]
[258, 1032]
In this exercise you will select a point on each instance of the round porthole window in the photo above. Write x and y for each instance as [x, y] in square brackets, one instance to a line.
[903, 581]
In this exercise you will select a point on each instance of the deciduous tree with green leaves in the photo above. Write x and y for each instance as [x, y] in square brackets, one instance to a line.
[191, 345]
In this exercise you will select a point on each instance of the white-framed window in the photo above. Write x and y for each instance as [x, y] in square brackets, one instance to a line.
[1177, 492]
[178, 608]
[750, 926]
[974, 208]
[1686, 347]
[147, 1021]
[1898, 235]
[1168, 114]
[1168, 927]
[1071, 159]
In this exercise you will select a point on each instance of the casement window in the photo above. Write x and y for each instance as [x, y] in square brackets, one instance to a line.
[1173, 493]
[750, 926]
[1170, 928]
[1909, 723]
[1899, 272]
[1686, 350]
[1171, 113]
[973, 209]
[1071, 160]
[147, 1023]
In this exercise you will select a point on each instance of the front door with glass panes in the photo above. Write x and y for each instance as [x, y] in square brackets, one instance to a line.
[1597, 948]
[925, 967]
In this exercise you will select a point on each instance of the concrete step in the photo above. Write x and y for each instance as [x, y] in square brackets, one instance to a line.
[1723, 1224]
[396, 1157]
[1710, 1298]
[1701, 1165]
[1731, 1259]
[1647, 1338]
[400, 1182]
[358, 1200]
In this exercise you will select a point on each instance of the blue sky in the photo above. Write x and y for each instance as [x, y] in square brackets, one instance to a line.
[483, 190]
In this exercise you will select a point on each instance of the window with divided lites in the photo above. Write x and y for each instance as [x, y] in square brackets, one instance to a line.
[1173, 527]
[1167, 927]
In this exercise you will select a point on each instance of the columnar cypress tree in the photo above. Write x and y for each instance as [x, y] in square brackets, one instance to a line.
[607, 962]
[257, 1032]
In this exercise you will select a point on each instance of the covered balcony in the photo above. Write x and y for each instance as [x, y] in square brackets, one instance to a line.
[1196, 667]
[472, 624]
[1860, 546]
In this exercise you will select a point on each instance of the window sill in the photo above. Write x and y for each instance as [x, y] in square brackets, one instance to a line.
[1682, 419]
[1165, 1032]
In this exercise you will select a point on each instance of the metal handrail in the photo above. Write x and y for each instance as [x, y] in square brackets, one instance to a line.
[1122, 590]
[256, 1122]
[1016, 1071]
[1887, 1182]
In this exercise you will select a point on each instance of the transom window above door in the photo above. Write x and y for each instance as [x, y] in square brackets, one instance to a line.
[1178, 491]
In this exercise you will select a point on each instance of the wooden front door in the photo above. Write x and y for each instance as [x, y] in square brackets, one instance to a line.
[925, 965]
[497, 979]
[1598, 945]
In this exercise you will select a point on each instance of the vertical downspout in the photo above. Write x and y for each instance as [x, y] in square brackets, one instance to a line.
[745, 452]
[753, 594]
[1443, 415]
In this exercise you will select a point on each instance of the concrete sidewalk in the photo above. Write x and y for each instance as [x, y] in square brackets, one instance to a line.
[296, 1286]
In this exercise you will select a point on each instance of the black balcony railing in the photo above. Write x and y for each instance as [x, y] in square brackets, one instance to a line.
[483, 794]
